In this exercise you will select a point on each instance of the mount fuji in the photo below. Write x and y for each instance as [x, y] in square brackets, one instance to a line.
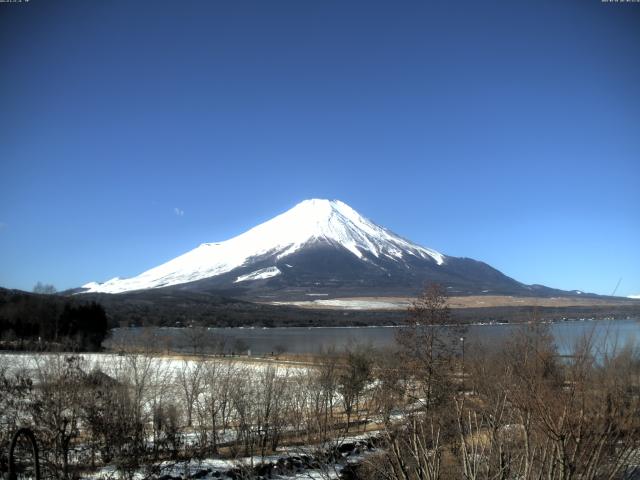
[318, 248]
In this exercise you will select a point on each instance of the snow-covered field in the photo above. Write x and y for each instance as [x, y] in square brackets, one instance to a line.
[351, 304]
[469, 301]
[112, 364]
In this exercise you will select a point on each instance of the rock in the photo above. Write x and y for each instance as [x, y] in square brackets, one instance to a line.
[201, 473]
[350, 472]
[346, 447]
[263, 470]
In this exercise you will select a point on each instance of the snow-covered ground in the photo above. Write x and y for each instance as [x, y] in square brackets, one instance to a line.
[112, 364]
[259, 274]
[351, 304]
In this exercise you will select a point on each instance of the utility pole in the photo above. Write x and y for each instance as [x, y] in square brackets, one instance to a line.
[616, 289]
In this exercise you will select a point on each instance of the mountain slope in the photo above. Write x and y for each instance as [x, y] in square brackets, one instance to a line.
[309, 222]
[319, 247]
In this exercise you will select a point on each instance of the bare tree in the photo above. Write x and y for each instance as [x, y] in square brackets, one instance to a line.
[214, 404]
[269, 408]
[427, 345]
[16, 392]
[352, 381]
[242, 397]
[323, 389]
[44, 288]
[198, 339]
[536, 417]
[189, 378]
[56, 409]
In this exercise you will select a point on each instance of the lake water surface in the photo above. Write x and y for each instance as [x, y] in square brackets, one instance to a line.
[302, 340]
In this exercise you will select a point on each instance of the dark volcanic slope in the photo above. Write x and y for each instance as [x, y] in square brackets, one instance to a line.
[331, 271]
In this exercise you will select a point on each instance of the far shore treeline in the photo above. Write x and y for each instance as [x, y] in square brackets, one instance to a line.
[31, 321]
[37, 321]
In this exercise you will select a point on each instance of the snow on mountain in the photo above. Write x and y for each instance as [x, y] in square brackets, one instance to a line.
[316, 220]
[259, 274]
[637, 297]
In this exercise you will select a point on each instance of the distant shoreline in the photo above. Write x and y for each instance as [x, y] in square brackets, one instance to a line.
[476, 324]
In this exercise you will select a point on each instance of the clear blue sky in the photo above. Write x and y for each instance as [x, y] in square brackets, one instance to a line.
[509, 132]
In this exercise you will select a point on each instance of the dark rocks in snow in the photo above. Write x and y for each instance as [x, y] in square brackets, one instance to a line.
[201, 473]
[350, 471]
[346, 447]
[288, 466]
[296, 464]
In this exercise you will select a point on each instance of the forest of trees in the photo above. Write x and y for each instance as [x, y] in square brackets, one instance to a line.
[44, 321]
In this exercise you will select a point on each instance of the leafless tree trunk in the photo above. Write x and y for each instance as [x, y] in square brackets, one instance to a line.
[189, 378]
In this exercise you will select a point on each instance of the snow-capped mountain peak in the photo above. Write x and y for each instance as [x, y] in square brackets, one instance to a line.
[309, 222]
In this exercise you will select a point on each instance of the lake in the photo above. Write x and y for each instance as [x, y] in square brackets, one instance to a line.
[301, 340]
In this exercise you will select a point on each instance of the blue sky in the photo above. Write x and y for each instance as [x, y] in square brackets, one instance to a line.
[508, 132]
